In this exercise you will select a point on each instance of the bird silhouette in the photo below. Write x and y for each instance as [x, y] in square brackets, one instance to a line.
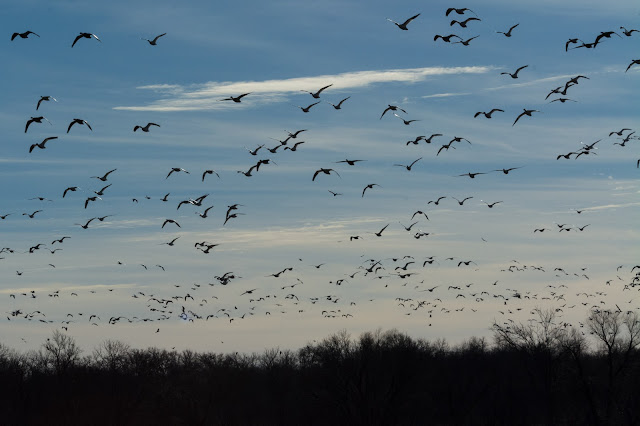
[23, 35]
[508, 33]
[35, 120]
[78, 121]
[146, 127]
[464, 23]
[84, 35]
[526, 112]
[339, 104]
[403, 26]
[446, 39]
[154, 41]
[41, 145]
[105, 176]
[515, 74]
[487, 114]
[236, 99]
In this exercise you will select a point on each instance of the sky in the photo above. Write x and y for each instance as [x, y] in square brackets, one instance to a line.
[280, 52]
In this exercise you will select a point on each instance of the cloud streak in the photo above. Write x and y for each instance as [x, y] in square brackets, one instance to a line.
[207, 96]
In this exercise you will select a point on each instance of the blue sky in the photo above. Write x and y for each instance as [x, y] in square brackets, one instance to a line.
[277, 51]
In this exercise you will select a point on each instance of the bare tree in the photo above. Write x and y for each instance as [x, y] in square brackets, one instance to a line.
[60, 352]
[111, 354]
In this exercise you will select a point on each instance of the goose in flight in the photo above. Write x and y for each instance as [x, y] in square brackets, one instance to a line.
[325, 171]
[460, 11]
[316, 95]
[410, 165]
[391, 108]
[508, 33]
[176, 170]
[490, 205]
[84, 35]
[487, 114]
[605, 34]
[295, 134]
[339, 104]
[170, 221]
[527, 112]
[370, 186]
[506, 171]
[23, 35]
[35, 120]
[446, 39]
[204, 215]
[350, 162]
[465, 42]
[45, 99]
[379, 233]
[464, 23]
[105, 176]
[571, 41]
[71, 188]
[472, 175]
[436, 202]
[618, 133]
[462, 202]
[236, 99]
[294, 147]
[154, 41]
[633, 62]
[403, 26]
[145, 128]
[101, 192]
[31, 216]
[515, 74]
[628, 32]
[78, 121]
[406, 122]
[41, 145]
[209, 172]
[306, 109]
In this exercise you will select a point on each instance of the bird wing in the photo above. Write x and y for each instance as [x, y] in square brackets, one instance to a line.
[518, 118]
[410, 19]
[96, 37]
[78, 37]
[89, 126]
[157, 37]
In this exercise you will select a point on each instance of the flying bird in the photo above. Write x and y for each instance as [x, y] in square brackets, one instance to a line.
[370, 186]
[84, 35]
[35, 120]
[78, 121]
[391, 108]
[506, 171]
[106, 175]
[410, 165]
[406, 122]
[171, 221]
[487, 114]
[633, 62]
[508, 33]
[45, 99]
[515, 74]
[472, 175]
[527, 112]
[41, 145]
[146, 127]
[628, 32]
[154, 41]
[236, 99]
[490, 205]
[379, 233]
[403, 26]
[325, 171]
[306, 109]
[176, 170]
[465, 42]
[23, 35]
[339, 104]
[571, 41]
[446, 39]
[464, 23]
[462, 202]
[209, 172]
[460, 11]
[316, 95]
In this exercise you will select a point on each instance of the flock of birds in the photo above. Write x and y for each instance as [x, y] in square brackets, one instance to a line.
[405, 275]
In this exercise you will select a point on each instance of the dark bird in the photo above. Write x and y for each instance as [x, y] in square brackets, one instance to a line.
[204, 215]
[421, 213]
[59, 240]
[487, 114]
[408, 228]
[171, 243]
[628, 32]
[231, 216]
[406, 122]
[101, 192]
[403, 26]
[436, 202]
[335, 194]
[41, 145]
[562, 100]
[84, 35]
[78, 121]
[306, 109]
[106, 175]
[316, 95]
[618, 133]
[571, 41]
[391, 108]
[526, 112]
[606, 34]
[294, 147]
[460, 11]
[255, 151]
[325, 171]
[466, 42]
[464, 23]
[145, 128]
[370, 186]
[506, 171]
[410, 165]
[428, 140]
[154, 41]
[633, 62]
[86, 225]
[45, 99]
[23, 35]
[508, 33]
[515, 74]
[71, 188]
[209, 172]
[416, 140]
[490, 205]
[472, 175]
[379, 233]
[176, 170]
[248, 292]
[339, 104]
[102, 218]
[86, 202]
[295, 134]
[171, 221]
[35, 120]
[32, 214]
[236, 99]
[349, 162]
[462, 202]
[446, 39]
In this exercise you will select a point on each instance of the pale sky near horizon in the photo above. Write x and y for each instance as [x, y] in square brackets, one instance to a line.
[276, 51]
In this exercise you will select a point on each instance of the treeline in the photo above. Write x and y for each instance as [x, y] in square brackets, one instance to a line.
[540, 372]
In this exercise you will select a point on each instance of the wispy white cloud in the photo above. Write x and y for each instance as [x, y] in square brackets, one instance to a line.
[207, 96]
[446, 95]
